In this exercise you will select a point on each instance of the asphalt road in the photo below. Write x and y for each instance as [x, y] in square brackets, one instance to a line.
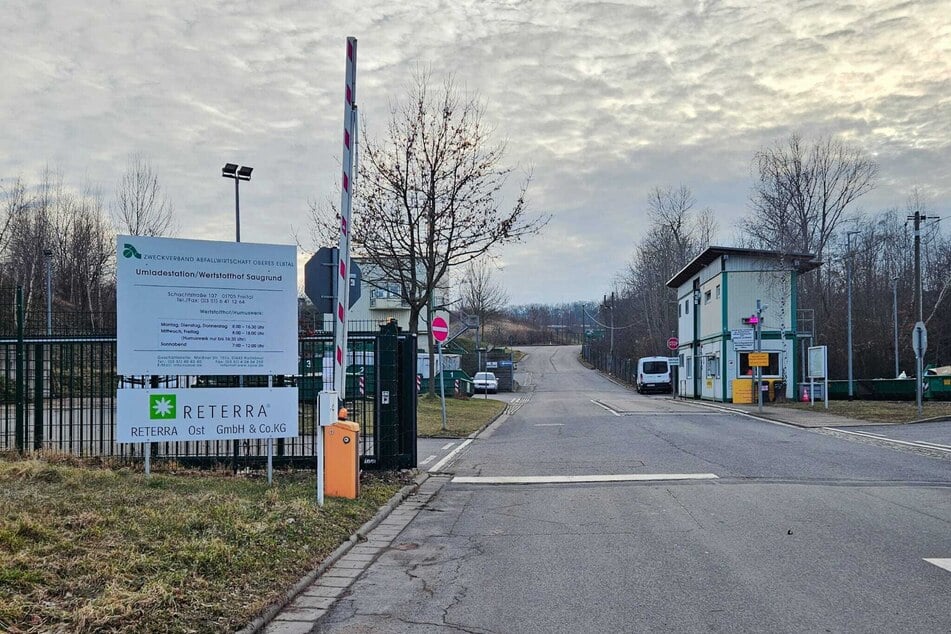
[773, 528]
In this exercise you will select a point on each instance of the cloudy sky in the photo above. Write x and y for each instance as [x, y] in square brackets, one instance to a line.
[602, 101]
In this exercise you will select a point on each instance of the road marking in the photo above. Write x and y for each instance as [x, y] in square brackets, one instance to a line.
[569, 479]
[429, 459]
[603, 406]
[452, 454]
[549, 424]
[919, 445]
[448, 445]
[940, 563]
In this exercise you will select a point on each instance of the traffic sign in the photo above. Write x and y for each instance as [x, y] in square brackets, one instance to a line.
[440, 329]
[673, 343]
[919, 339]
[319, 277]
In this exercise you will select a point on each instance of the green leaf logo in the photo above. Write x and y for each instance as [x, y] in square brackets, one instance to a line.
[162, 407]
[129, 251]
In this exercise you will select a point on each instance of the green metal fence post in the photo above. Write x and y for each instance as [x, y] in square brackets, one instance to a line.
[20, 389]
[38, 368]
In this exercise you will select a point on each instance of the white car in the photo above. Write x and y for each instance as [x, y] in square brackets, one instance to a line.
[485, 382]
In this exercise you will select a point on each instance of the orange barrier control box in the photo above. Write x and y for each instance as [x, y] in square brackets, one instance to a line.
[342, 460]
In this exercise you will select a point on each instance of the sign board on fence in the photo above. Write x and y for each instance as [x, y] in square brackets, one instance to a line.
[743, 338]
[201, 307]
[759, 359]
[157, 415]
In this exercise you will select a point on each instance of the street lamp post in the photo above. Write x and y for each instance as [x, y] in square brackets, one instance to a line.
[895, 316]
[848, 264]
[48, 254]
[240, 173]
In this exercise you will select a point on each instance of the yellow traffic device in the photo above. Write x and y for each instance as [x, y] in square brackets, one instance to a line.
[342, 461]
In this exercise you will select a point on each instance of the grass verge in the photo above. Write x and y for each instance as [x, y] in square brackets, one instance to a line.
[99, 549]
[880, 411]
[463, 416]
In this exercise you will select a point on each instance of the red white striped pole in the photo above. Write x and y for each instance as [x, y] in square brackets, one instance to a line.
[419, 382]
[346, 200]
[363, 387]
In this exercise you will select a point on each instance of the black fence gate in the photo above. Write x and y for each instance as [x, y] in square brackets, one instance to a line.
[57, 393]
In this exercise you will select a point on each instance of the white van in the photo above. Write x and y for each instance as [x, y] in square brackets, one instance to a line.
[653, 374]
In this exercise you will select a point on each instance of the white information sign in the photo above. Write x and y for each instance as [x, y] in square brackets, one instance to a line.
[817, 362]
[743, 338]
[201, 307]
[156, 415]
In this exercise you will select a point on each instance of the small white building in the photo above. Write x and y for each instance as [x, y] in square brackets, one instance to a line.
[716, 303]
[380, 301]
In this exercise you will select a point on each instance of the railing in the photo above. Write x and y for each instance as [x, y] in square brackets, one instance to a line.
[59, 395]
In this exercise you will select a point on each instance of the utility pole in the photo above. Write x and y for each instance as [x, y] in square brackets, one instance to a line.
[758, 335]
[613, 304]
[848, 264]
[583, 330]
[919, 355]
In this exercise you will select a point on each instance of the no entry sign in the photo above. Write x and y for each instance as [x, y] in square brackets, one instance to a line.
[673, 343]
[440, 329]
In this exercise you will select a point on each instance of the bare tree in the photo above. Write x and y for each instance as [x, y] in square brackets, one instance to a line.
[480, 294]
[801, 192]
[141, 207]
[430, 193]
[677, 233]
[15, 203]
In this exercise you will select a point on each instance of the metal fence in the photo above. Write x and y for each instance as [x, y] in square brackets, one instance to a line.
[58, 394]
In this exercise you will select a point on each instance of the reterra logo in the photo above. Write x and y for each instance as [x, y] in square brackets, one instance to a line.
[162, 407]
[129, 251]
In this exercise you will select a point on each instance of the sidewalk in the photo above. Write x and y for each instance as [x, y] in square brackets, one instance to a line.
[815, 416]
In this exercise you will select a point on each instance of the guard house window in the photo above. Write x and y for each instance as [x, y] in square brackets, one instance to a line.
[706, 297]
[713, 368]
[718, 291]
[680, 310]
[771, 370]
[687, 307]
[689, 367]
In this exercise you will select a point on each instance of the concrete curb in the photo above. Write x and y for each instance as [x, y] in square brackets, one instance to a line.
[259, 623]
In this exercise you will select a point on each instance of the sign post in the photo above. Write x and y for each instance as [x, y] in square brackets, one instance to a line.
[440, 334]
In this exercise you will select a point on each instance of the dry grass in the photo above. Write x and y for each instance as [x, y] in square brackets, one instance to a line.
[462, 416]
[881, 411]
[103, 549]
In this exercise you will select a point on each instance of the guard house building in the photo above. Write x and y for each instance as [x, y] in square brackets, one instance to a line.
[716, 308]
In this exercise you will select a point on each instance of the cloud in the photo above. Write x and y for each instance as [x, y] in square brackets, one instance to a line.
[602, 101]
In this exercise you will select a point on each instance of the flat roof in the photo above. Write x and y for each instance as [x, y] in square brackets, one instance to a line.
[799, 262]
